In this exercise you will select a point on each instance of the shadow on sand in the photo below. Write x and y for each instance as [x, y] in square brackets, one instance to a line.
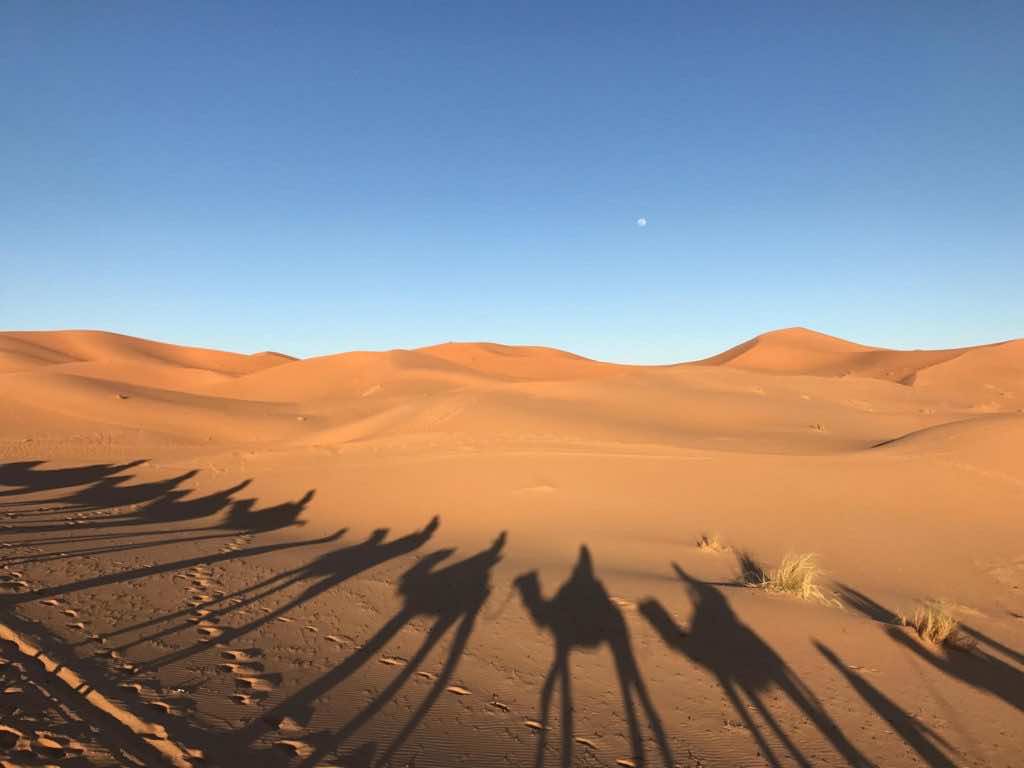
[974, 663]
[579, 616]
[324, 573]
[745, 666]
[452, 596]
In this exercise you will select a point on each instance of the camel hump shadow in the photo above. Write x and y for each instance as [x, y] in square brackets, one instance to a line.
[451, 590]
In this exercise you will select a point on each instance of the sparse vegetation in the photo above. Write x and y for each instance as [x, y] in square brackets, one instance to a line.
[798, 575]
[935, 624]
[710, 542]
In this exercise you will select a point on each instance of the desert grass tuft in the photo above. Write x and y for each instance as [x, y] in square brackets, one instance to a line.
[935, 623]
[710, 542]
[798, 575]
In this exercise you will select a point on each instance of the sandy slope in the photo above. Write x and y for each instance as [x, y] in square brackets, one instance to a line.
[900, 469]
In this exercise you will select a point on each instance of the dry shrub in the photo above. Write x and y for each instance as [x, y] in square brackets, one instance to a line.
[798, 575]
[710, 542]
[934, 623]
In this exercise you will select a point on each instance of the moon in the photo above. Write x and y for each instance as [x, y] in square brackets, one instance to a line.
[641, 222]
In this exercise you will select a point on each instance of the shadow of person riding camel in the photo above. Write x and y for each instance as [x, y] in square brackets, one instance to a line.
[452, 596]
[325, 572]
[24, 477]
[582, 616]
[154, 503]
[242, 518]
[744, 664]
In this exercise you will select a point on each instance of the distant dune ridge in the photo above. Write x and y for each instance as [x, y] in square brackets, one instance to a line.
[788, 390]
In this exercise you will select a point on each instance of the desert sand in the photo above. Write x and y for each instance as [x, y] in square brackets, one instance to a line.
[480, 555]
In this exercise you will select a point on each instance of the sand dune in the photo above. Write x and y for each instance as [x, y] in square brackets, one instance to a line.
[799, 351]
[27, 349]
[379, 556]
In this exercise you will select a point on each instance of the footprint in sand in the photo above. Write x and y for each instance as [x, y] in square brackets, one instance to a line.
[458, 690]
[298, 748]
[50, 602]
[70, 612]
[392, 661]
[209, 631]
[242, 654]
[9, 737]
[286, 724]
[258, 683]
[47, 747]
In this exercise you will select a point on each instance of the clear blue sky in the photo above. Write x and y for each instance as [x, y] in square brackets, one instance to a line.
[318, 177]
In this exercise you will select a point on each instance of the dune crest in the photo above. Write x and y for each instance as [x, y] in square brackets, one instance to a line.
[800, 351]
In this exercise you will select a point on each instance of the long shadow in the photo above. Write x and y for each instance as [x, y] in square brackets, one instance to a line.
[134, 574]
[972, 665]
[982, 639]
[326, 572]
[109, 492]
[166, 505]
[581, 615]
[744, 664]
[453, 596]
[863, 604]
[241, 518]
[244, 520]
[976, 667]
[919, 736]
[24, 477]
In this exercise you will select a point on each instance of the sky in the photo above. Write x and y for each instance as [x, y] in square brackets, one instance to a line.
[320, 177]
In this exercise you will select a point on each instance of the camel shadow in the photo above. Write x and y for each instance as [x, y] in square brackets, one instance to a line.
[325, 573]
[23, 477]
[581, 615]
[452, 596]
[745, 666]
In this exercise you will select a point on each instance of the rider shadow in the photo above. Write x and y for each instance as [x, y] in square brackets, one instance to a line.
[453, 596]
[164, 504]
[24, 477]
[581, 615]
[242, 519]
[325, 573]
[744, 664]
[242, 516]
